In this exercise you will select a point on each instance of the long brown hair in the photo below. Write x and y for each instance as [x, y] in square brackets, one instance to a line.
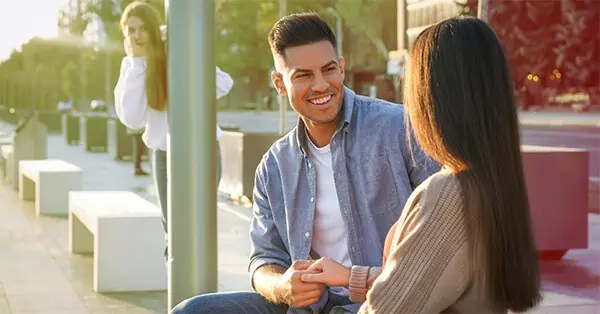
[156, 70]
[461, 108]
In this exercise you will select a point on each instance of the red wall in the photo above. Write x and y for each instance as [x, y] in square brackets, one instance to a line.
[554, 49]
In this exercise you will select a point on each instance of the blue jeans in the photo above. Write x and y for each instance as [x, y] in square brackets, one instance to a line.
[254, 303]
[159, 170]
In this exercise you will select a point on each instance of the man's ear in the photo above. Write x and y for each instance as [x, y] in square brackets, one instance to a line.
[277, 79]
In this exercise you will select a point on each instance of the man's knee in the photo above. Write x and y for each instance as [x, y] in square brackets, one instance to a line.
[197, 304]
[229, 302]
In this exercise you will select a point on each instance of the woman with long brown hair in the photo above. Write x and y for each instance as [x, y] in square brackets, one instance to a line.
[464, 242]
[141, 92]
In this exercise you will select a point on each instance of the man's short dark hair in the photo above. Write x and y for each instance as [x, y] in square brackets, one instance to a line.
[297, 30]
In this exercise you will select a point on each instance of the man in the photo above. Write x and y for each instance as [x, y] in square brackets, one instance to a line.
[331, 187]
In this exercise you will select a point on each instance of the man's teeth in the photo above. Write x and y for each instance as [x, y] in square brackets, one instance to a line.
[320, 101]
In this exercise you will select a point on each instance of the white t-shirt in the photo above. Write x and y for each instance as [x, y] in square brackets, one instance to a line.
[330, 236]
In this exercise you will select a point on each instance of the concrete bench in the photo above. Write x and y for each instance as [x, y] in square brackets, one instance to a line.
[48, 182]
[557, 188]
[125, 233]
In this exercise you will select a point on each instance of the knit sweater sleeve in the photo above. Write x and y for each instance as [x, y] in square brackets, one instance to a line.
[425, 271]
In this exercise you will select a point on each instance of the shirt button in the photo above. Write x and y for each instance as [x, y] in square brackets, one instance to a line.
[312, 199]
[309, 165]
[307, 234]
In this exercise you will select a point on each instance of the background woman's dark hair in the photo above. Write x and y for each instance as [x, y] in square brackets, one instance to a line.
[461, 105]
[156, 70]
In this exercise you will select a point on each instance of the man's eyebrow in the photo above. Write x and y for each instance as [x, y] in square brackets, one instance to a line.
[301, 71]
[332, 62]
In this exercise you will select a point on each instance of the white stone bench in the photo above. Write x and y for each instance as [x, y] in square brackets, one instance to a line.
[6, 152]
[125, 233]
[48, 182]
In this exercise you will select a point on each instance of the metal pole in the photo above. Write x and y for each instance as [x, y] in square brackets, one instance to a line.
[482, 10]
[192, 215]
[338, 30]
[403, 25]
[107, 92]
[340, 35]
[282, 99]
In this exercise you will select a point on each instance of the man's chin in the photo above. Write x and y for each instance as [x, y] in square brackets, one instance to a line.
[323, 120]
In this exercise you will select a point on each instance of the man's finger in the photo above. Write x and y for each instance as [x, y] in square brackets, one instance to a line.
[312, 277]
[302, 264]
[316, 267]
[307, 298]
[301, 287]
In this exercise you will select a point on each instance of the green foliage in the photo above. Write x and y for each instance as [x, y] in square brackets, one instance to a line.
[45, 71]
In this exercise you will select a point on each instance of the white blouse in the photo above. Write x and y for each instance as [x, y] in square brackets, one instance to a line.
[131, 103]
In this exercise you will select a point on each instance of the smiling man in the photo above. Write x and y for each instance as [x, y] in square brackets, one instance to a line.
[332, 187]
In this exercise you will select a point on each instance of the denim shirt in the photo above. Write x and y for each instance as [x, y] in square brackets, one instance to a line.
[374, 175]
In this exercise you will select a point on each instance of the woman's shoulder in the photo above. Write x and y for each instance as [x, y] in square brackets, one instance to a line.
[442, 189]
[441, 182]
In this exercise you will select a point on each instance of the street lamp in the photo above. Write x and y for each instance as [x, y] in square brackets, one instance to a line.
[280, 98]
[482, 10]
[338, 29]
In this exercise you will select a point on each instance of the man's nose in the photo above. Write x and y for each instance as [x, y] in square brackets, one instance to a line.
[319, 83]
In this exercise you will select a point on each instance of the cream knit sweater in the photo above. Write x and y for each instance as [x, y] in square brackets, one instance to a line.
[428, 266]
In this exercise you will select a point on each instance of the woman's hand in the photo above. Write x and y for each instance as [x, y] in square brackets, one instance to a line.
[330, 273]
[132, 49]
[163, 32]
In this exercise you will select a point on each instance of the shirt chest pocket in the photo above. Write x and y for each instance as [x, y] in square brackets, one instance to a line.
[373, 182]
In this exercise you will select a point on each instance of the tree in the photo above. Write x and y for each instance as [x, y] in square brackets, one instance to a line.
[372, 25]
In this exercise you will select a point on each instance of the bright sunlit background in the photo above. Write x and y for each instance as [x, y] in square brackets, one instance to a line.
[20, 20]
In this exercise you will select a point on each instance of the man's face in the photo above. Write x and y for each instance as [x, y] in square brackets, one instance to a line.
[312, 76]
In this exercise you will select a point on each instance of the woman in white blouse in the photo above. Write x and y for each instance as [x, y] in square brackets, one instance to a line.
[141, 91]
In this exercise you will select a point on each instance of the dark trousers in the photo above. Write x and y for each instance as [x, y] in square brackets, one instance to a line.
[138, 150]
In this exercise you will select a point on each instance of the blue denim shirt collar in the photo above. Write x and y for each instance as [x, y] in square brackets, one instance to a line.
[344, 121]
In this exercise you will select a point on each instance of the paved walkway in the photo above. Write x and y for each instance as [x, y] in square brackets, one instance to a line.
[39, 275]
[269, 120]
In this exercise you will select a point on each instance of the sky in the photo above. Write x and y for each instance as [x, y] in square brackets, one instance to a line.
[21, 20]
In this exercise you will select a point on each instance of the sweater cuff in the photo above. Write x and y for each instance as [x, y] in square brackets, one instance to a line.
[358, 283]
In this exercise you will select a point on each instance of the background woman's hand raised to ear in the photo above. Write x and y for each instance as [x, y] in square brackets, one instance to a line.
[132, 49]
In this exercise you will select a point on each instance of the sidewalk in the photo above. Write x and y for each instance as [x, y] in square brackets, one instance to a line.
[269, 120]
[584, 119]
[39, 275]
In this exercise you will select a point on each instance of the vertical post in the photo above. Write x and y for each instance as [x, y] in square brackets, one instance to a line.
[282, 99]
[402, 25]
[340, 35]
[402, 43]
[482, 10]
[82, 92]
[107, 89]
[192, 216]
[338, 30]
